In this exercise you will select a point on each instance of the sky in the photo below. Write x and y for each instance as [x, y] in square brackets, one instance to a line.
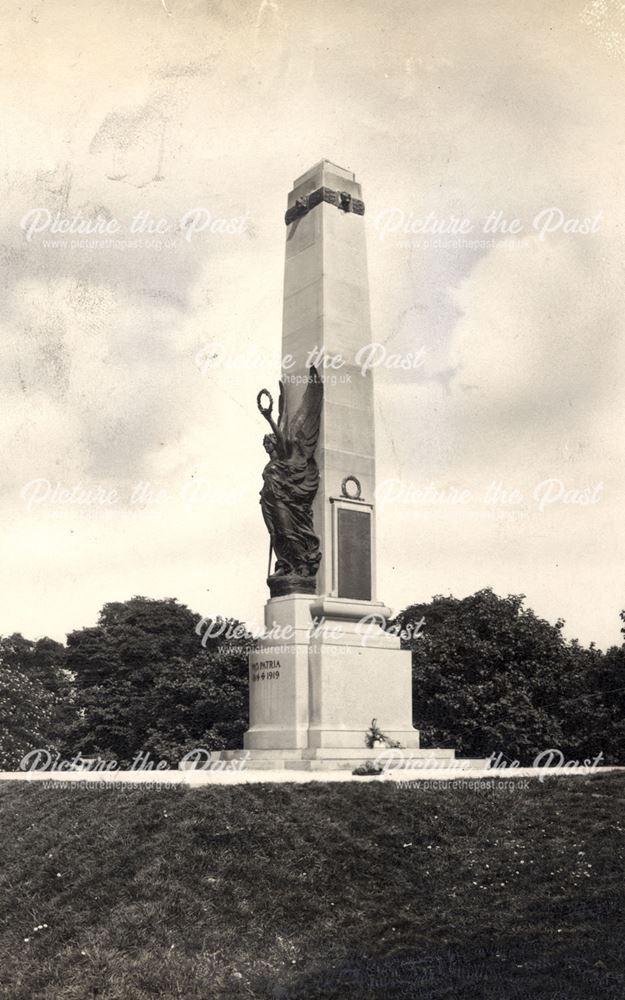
[130, 467]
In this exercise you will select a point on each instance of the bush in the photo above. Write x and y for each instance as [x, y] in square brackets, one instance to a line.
[26, 717]
[145, 682]
[491, 676]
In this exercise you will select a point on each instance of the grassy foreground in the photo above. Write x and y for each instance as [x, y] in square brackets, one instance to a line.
[318, 890]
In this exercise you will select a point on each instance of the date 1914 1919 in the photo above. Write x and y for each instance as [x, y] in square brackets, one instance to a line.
[266, 670]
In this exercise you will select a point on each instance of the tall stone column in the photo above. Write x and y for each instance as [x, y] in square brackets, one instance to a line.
[326, 322]
[316, 689]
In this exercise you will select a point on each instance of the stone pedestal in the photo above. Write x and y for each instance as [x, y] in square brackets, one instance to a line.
[279, 681]
[317, 683]
[358, 673]
[324, 671]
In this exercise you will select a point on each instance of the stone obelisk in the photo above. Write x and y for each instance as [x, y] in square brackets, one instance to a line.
[326, 322]
[331, 669]
[327, 668]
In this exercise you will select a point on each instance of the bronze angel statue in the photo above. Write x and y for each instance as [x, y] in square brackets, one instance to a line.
[291, 480]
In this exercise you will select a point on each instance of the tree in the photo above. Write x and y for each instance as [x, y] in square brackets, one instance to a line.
[488, 675]
[26, 717]
[202, 702]
[581, 708]
[609, 687]
[131, 640]
[42, 660]
[147, 681]
[37, 693]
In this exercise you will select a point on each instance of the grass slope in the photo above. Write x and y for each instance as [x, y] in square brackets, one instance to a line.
[318, 890]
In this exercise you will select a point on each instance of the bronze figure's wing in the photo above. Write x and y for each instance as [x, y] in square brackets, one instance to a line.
[283, 415]
[304, 428]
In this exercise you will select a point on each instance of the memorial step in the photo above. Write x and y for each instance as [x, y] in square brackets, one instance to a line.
[325, 759]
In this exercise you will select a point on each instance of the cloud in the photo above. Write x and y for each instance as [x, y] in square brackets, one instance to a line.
[452, 109]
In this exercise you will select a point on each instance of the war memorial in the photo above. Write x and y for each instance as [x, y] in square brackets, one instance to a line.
[329, 687]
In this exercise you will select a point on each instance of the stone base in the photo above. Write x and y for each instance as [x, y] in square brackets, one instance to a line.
[279, 677]
[358, 674]
[320, 684]
[320, 677]
[326, 759]
[281, 584]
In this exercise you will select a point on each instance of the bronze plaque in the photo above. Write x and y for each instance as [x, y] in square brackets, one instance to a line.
[354, 544]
